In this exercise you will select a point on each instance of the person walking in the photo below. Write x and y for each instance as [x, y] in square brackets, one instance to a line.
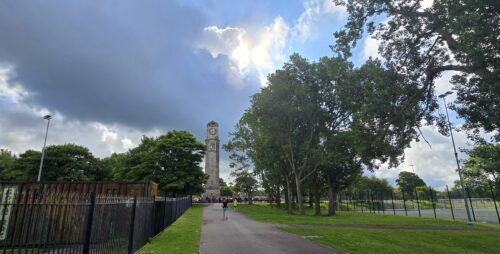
[235, 203]
[225, 209]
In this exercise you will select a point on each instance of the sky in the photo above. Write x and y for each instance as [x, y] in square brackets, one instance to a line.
[112, 71]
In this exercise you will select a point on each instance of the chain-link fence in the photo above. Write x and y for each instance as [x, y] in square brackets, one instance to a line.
[423, 202]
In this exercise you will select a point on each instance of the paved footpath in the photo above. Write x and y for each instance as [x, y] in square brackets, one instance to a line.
[242, 235]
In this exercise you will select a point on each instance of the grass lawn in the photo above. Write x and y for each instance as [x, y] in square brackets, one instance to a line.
[414, 235]
[263, 213]
[356, 240]
[181, 237]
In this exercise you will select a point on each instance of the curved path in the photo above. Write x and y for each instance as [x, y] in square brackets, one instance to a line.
[242, 235]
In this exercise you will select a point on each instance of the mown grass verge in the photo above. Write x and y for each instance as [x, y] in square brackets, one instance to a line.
[377, 233]
[359, 240]
[181, 237]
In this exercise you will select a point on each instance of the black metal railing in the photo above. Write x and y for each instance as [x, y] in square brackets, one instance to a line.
[41, 222]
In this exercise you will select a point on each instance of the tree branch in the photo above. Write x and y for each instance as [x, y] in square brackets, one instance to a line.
[436, 70]
[452, 43]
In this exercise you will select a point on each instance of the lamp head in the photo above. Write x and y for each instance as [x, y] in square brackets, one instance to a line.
[445, 94]
[47, 117]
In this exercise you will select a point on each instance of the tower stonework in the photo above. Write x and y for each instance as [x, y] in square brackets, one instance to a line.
[212, 187]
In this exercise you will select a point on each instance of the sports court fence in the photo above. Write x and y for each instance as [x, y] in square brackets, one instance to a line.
[423, 202]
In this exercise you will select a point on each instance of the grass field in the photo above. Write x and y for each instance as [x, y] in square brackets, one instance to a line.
[181, 237]
[358, 240]
[376, 233]
[262, 212]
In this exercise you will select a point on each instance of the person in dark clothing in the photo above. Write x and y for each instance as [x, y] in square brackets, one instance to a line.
[225, 209]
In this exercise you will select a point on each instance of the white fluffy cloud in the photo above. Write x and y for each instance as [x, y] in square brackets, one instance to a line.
[435, 164]
[370, 48]
[11, 92]
[313, 11]
[260, 50]
[249, 49]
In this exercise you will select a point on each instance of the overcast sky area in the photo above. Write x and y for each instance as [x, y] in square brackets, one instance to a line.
[112, 71]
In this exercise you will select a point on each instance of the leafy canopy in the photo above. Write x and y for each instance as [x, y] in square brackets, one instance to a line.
[172, 160]
[423, 43]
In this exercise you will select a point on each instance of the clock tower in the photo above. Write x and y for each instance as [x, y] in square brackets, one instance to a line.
[212, 187]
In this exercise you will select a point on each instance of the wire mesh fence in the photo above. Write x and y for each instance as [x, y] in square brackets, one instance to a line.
[422, 202]
[50, 222]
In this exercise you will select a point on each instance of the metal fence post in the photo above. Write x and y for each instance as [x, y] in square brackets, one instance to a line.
[354, 201]
[164, 215]
[433, 204]
[347, 201]
[418, 203]
[383, 205]
[451, 205]
[404, 201]
[373, 204]
[88, 227]
[153, 219]
[494, 201]
[470, 201]
[131, 232]
[392, 199]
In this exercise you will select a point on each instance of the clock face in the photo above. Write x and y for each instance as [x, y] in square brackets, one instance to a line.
[212, 131]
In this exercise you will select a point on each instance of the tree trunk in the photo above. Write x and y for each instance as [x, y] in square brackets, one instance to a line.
[317, 203]
[300, 198]
[331, 197]
[278, 197]
[311, 199]
[289, 195]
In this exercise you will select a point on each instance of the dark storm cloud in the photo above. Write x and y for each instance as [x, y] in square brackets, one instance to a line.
[127, 62]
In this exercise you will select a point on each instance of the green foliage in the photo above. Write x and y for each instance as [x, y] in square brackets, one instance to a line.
[117, 165]
[7, 160]
[67, 162]
[227, 191]
[245, 182]
[481, 171]
[324, 119]
[485, 159]
[421, 44]
[171, 160]
[375, 185]
[408, 182]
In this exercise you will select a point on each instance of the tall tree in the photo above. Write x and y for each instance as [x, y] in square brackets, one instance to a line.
[365, 122]
[117, 165]
[482, 166]
[423, 43]
[485, 158]
[172, 160]
[246, 183]
[67, 162]
[7, 160]
[373, 184]
[408, 182]
[288, 111]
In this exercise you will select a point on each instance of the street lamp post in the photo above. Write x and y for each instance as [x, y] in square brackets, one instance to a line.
[47, 117]
[469, 220]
